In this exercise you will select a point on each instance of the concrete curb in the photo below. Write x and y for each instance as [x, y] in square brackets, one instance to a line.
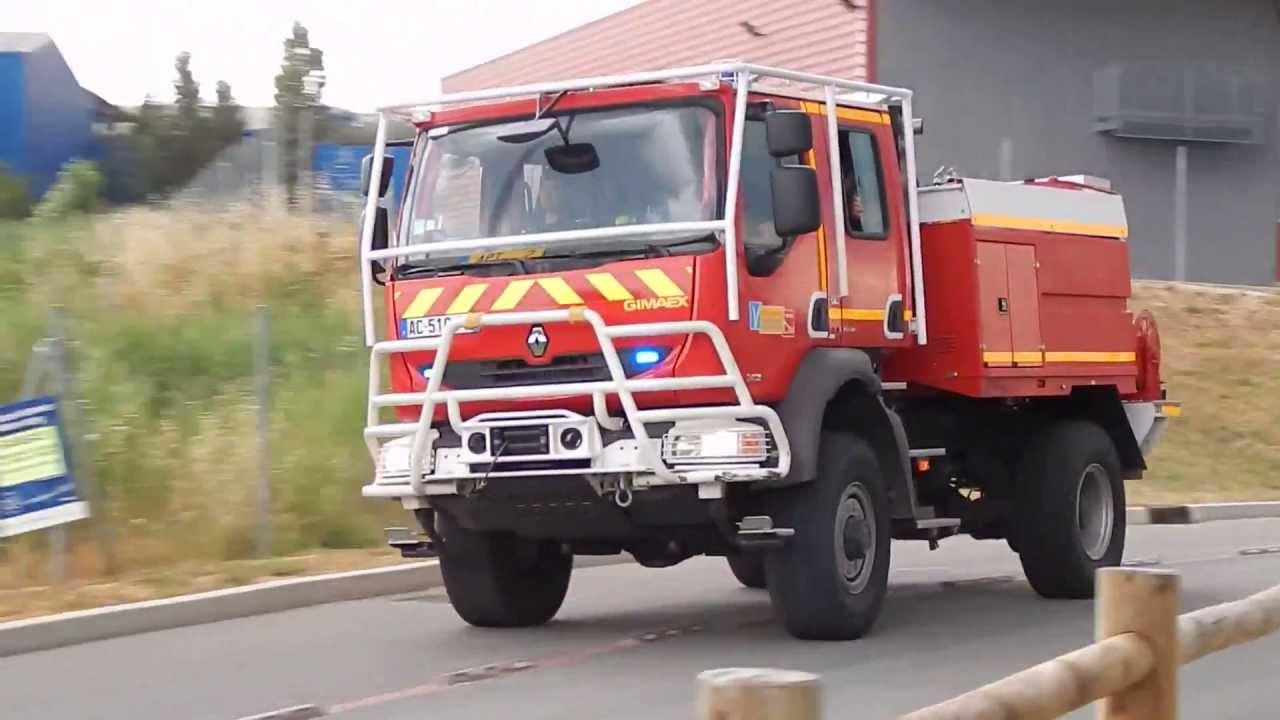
[43, 633]
[1208, 512]
[53, 631]
[81, 626]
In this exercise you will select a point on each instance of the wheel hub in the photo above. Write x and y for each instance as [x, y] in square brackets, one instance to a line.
[1095, 511]
[855, 538]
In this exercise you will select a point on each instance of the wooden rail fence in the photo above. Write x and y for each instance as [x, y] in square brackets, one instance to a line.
[1132, 668]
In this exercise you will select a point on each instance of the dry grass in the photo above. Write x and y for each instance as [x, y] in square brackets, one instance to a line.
[166, 261]
[30, 600]
[160, 301]
[1221, 358]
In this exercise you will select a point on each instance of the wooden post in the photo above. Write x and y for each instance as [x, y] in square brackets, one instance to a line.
[757, 694]
[1143, 602]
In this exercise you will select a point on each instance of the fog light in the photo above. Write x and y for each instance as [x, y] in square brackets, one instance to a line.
[477, 443]
[571, 438]
[393, 458]
[708, 443]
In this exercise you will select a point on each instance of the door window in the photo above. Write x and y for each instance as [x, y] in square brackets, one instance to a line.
[860, 176]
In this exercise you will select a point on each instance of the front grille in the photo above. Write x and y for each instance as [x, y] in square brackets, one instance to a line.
[514, 372]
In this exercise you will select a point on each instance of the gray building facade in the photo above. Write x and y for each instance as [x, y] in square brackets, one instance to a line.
[1027, 88]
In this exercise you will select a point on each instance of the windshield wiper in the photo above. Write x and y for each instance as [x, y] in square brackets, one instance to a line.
[646, 250]
[407, 271]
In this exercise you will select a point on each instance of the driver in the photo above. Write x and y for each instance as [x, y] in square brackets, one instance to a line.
[572, 202]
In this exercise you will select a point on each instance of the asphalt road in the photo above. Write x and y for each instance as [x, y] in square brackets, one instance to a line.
[630, 641]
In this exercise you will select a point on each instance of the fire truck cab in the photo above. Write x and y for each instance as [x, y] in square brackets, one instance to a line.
[711, 310]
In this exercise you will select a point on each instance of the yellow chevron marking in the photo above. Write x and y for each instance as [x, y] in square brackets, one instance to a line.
[560, 291]
[421, 304]
[466, 299]
[609, 286]
[511, 295]
[659, 283]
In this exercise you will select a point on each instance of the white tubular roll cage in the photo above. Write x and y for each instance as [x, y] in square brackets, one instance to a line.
[742, 75]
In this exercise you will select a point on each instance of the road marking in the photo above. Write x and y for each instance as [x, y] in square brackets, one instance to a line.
[470, 676]
[298, 712]
[1266, 550]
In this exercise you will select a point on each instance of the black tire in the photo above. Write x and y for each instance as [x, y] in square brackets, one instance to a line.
[496, 579]
[748, 567]
[1070, 509]
[819, 588]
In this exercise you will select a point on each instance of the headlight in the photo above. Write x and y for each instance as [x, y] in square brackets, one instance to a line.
[393, 458]
[715, 442]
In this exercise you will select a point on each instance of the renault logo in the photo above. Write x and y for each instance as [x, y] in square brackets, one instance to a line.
[537, 341]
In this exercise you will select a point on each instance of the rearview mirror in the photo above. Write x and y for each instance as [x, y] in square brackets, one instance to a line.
[366, 171]
[796, 210]
[789, 132]
[573, 158]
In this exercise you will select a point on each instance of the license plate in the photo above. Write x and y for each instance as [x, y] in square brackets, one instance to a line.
[429, 326]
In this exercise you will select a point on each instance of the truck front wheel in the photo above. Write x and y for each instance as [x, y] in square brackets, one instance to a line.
[748, 567]
[497, 579]
[1070, 509]
[829, 581]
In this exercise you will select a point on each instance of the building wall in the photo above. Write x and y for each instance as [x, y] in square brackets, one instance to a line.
[993, 74]
[59, 116]
[825, 36]
[12, 113]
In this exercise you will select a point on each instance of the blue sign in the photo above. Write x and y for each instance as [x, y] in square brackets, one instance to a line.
[340, 166]
[37, 489]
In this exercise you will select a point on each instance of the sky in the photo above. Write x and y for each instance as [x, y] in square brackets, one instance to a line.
[124, 50]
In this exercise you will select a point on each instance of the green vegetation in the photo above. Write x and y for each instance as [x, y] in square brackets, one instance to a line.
[160, 305]
[160, 308]
[14, 203]
[77, 191]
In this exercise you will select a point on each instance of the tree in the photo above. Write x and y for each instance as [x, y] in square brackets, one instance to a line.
[227, 123]
[186, 92]
[298, 108]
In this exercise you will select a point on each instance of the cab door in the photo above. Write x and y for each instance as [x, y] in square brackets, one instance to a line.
[783, 281]
[875, 313]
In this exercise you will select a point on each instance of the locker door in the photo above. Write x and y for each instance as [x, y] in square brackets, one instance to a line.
[1024, 305]
[993, 305]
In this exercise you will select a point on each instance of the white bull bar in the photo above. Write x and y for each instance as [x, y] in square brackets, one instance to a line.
[618, 384]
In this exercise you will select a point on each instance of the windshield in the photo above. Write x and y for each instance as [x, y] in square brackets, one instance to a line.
[569, 170]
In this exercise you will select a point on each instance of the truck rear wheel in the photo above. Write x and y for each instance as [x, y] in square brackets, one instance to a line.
[748, 567]
[1070, 509]
[497, 579]
[829, 581]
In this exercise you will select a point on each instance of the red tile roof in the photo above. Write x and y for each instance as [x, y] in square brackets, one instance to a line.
[822, 36]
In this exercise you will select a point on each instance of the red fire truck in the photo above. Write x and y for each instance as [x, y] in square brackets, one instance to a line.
[711, 311]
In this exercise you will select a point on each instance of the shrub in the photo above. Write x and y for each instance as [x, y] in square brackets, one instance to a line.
[78, 190]
[14, 204]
